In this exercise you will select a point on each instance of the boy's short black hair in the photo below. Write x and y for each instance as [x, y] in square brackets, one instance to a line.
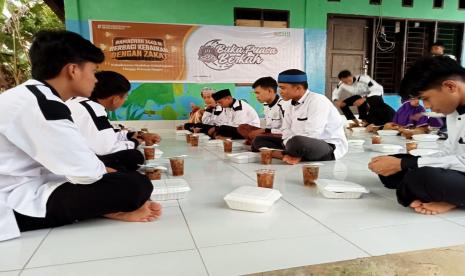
[344, 74]
[51, 50]
[428, 73]
[438, 43]
[110, 84]
[295, 72]
[266, 82]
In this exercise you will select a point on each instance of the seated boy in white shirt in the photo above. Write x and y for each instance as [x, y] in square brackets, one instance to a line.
[431, 184]
[50, 177]
[312, 128]
[235, 113]
[117, 149]
[274, 107]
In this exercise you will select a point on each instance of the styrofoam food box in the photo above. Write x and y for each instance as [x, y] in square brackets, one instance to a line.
[252, 199]
[423, 152]
[331, 188]
[214, 143]
[425, 137]
[385, 148]
[169, 189]
[183, 132]
[359, 129]
[245, 157]
[356, 142]
[388, 132]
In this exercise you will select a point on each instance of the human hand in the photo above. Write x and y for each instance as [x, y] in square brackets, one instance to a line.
[359, 102]
[339, 103]
[151, 138]
[385, 165]
[110, 170]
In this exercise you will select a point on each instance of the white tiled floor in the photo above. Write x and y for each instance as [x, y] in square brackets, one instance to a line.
[201, 236]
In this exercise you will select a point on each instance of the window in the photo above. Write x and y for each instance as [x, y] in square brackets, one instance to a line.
[407, 3]
[375, 2]
[461, 4]
[261, 18]
[438, 4]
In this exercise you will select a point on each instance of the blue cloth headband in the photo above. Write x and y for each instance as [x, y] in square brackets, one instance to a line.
[292, 78]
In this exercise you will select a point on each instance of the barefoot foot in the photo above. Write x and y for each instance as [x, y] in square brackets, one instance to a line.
[434, 208]
[147, 212]
[291, 160]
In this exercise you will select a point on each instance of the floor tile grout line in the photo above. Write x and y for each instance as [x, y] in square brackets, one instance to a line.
[108, 259]
[193, 239]
[35, 251]
[327, 227]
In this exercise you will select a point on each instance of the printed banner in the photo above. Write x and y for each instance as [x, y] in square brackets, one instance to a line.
[150, 52]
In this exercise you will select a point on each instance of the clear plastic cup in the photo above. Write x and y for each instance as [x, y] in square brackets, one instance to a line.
[188, 138]
[376, 139]
[266, 156]
[194, 140]
[149, 153]
[411, 145]
[265, 178]
[153, 174]
[177, 166]
[310, 174]
[227, 145]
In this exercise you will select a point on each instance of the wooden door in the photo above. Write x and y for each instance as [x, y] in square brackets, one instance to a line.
[347, 48]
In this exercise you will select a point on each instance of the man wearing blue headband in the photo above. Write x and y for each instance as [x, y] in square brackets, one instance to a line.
[312, 128]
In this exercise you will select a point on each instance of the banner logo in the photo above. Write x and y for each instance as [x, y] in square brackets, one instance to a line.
[219, 56]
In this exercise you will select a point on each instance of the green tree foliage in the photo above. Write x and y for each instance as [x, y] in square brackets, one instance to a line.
[19, 21]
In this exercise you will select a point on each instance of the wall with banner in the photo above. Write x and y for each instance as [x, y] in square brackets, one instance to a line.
[168, 64]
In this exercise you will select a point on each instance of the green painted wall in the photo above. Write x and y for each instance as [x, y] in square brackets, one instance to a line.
[422, 9]
[209, 12]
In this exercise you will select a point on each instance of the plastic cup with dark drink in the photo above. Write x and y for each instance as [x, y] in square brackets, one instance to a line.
[265, 178]
[194, 140]
[227, 144]
[310, 173]
[177, 166]
[411, 146]
[266, 156]
[188, 138]
[153, 173]
[180, 127]
[376, 139]
[149, 153]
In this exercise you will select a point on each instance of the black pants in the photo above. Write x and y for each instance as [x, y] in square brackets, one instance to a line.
[362, 110]
[229, 131]
[69, 203]
[204, 127]
[427, 184]
[309, 149]
[125, 160]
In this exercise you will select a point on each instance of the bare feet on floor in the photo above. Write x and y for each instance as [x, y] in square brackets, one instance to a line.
[291, 160]
[431, 208]
[148, 212]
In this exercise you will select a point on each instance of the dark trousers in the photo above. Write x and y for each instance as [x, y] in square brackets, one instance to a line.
[125, 160]
[115, 192]
[362, 110]
[228, 131]
[309, 149]
[204, 127]
[427, 184]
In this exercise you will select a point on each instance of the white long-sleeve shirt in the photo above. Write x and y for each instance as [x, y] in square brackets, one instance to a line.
[214, 116]
[315, 116]
[452, 155]
[92, 121]
[363, 85]
[240, 113]
[40, 148]
[274, 114]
